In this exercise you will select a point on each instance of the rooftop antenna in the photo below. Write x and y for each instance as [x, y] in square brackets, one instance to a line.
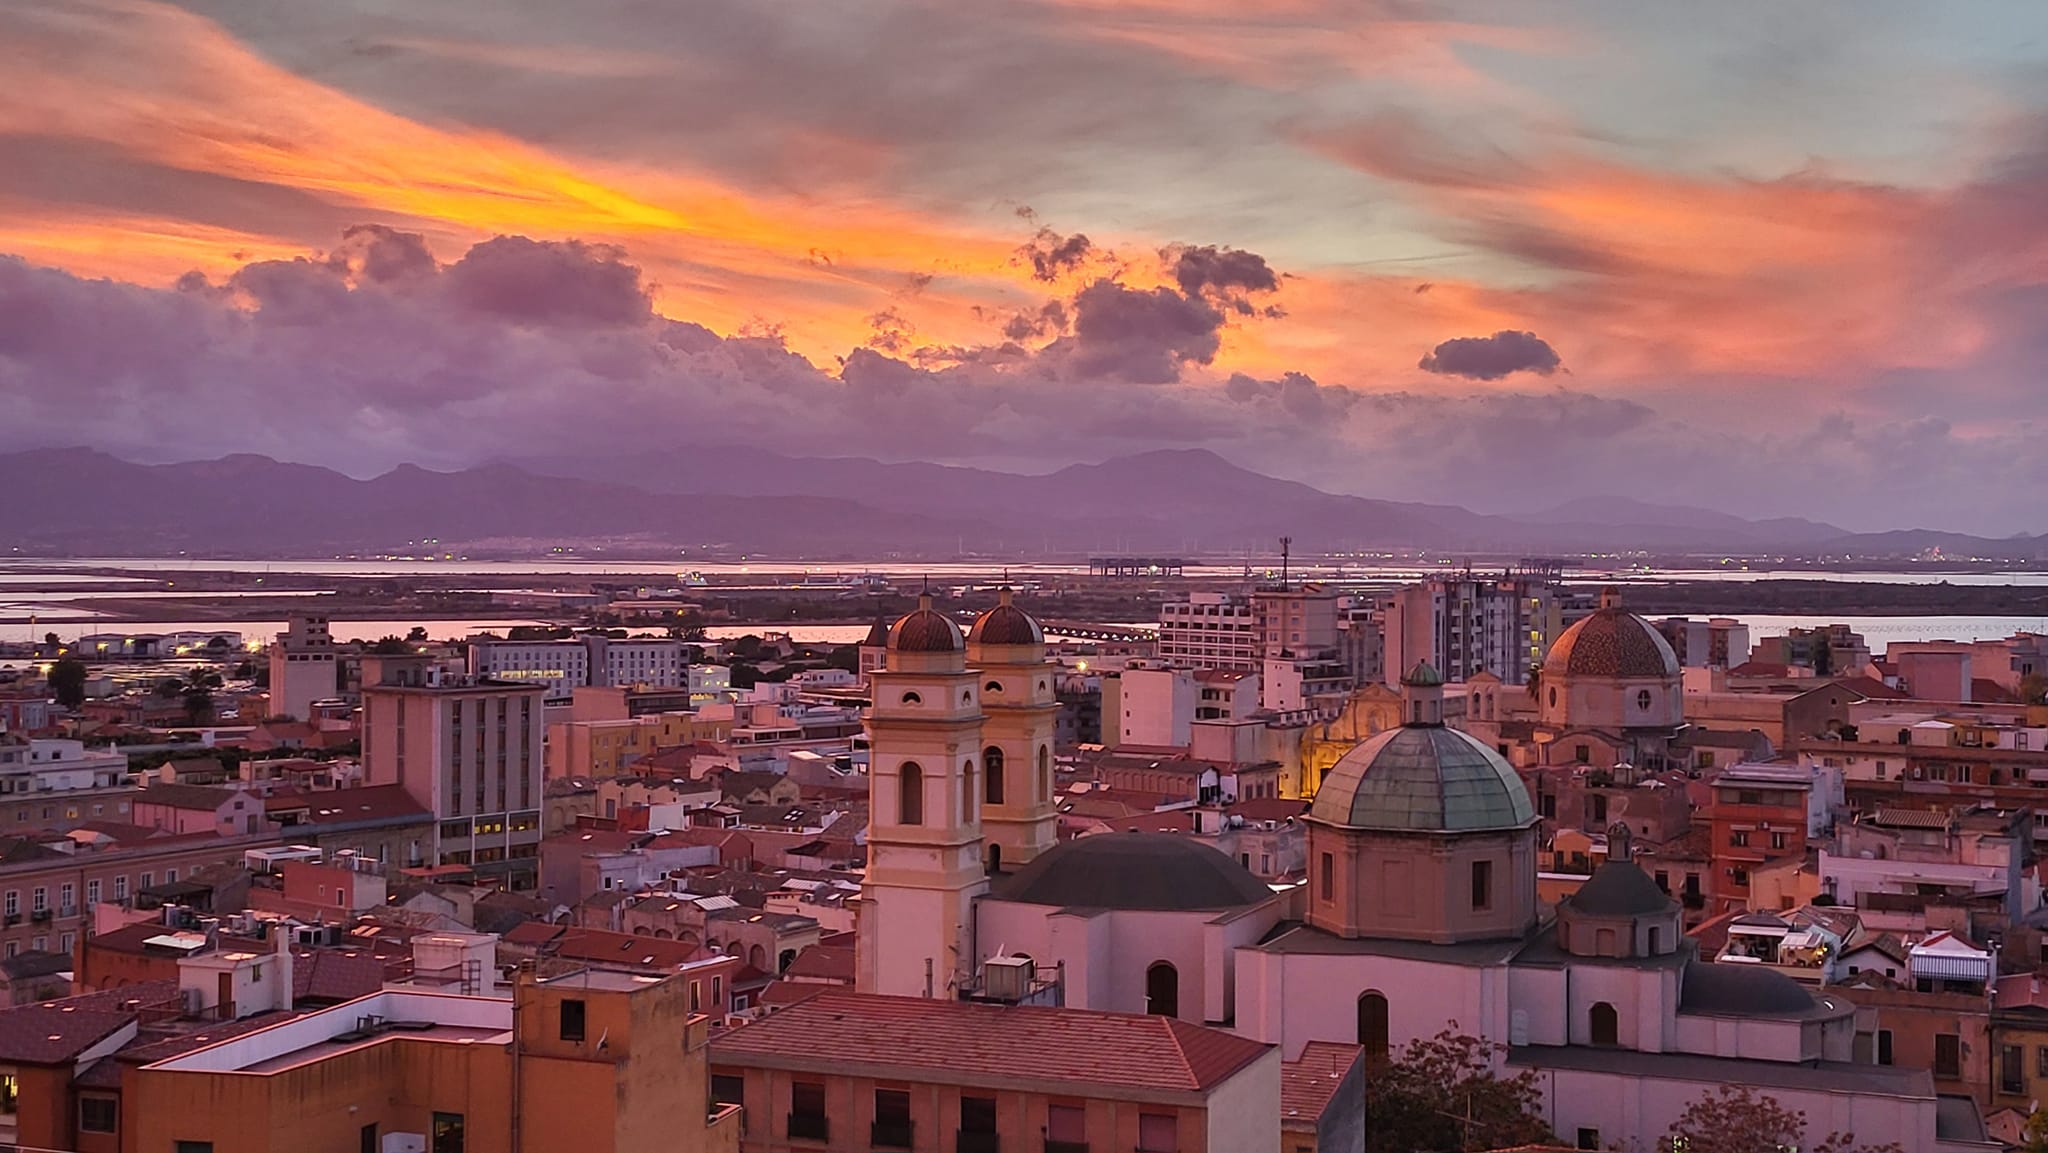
[1286, 543]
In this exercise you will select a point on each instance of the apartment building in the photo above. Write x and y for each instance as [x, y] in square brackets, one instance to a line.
[1209, 631]
[50, 885]
[1467, 623]
[467, 749]
[592, 660]
[302, 667]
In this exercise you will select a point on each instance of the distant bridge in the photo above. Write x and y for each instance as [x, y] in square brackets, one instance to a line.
[1135, 566]
[1081, 630]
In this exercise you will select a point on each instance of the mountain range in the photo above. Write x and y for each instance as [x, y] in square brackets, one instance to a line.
[1171, 501]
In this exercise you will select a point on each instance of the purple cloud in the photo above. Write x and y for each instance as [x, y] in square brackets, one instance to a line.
[1492, 357]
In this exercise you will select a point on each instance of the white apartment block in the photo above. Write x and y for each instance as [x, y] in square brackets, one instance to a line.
[563, 666]
[1209, 631]
[301, 667]
[1469, 623]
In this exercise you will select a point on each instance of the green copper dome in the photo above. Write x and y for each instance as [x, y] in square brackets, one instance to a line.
[1423, 778]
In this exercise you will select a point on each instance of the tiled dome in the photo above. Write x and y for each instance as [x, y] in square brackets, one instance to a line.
[1613, 642]
[925, 630]
[1006, 624]
[1423, 778]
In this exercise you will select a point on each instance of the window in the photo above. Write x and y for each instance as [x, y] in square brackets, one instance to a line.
[1482, 884]
[807, 1111]
[447, 1133]
[145, 881]
[191, 1147]
[1162, 990]
[1948, 1055]
[1372, 1024]
[892, 1128]
[1067, 1124]
[1589, 1138]
[1604, 1024]
[40, 899]
[910, 794]
[992, 764]
[366, 1141]
[1777, 840]
[1884, 1046]
[1739, 838]
[97, 1114]
[1044, 773]
[92, 893]
[2012, 1069]
[1643, 700]
[572, 1020]
[1328, 880]
[728, 1089]
[1158, 1133]
[14, 902]
[978, 1115]
[1582, 753]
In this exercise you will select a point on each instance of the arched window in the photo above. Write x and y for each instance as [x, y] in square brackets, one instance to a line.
[1553, 696]
[1162, 990]
[966, 697]
[910, 794]
[758, 958]
[1605, 1024]
[783, 962]
[992, 763]
[1372, 1024]
[1044, 773]
[993, 860]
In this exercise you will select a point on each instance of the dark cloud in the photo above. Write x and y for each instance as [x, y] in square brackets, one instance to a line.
[1050, 319]
[1142, 336]
[1201, 268]
[382, 253]
[1492, 357]
[1051, 255]
[551, 282]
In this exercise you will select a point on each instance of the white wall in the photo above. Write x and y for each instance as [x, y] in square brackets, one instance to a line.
[1158, 707]
[1242, 1110]
[1636, 1110]
[1290, 999]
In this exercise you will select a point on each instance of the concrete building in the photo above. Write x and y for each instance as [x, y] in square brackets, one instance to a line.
[1715, 643]
[593, 659]
[1209, 630]
[449, 1074]
[302, 667]
[844, 1071]
[44, 766]
[469, 751]
[1468, 623]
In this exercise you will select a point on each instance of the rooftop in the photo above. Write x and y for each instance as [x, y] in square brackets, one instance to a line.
[1008, 1046]
[317, 1036]
[1309, 1081]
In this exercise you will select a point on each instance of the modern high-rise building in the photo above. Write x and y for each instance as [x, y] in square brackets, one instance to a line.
[1467, 623]
[301, 667]
[469, 750]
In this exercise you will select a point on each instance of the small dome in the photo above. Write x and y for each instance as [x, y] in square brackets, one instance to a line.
[1144, 871]
[1613, 642]
[1005, 624]
[1423, 675]
[1423, 778]
[1620, 889]
[925, 630]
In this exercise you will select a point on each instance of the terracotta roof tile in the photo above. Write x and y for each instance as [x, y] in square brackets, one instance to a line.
[1308, 1082]
[52, 1033]
[961, 1041]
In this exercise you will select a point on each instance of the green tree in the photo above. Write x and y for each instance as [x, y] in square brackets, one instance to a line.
[67, 682]
[1736, 1119]
[417, 635]
[169, 688]
[2034, 689]
[198, 704]
[1441, 1093]
[392, 646]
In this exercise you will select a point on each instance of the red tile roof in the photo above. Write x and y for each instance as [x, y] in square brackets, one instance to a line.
[53, 1033]
[820, 963]
[1308, 1082]
[785, 993]
[962, 1042]
[369, 803]
[335, 974]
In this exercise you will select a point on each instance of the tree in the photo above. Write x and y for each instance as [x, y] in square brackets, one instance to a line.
[418, 634]
[1442, 1094]
[1735, 1119]
[2036, 1134]
[246, 671]
[391, 646]
[67, 682]
[2034, 689]
[198, 704]
[169, 687]
[845, 657]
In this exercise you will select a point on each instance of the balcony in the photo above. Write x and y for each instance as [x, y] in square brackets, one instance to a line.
[890, 1134]
[1055, 1145]
[973, 1142]
[40, 915]
[809, 1127]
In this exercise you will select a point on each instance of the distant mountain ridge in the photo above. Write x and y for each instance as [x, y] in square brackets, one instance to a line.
[1169, 501]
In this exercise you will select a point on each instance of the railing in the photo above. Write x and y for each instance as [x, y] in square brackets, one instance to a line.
[975, 1142]
[1054, 1145]
[809, 1127]
[890, 1134]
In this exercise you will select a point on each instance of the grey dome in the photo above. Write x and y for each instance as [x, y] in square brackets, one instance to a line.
[1151, 871]
[1620, 889]
[1737, 990]
[1423, 778]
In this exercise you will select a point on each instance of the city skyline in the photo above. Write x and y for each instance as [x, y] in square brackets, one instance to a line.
[1774, 263]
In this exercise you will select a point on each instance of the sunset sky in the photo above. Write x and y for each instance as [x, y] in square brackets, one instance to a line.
[1778, 259]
